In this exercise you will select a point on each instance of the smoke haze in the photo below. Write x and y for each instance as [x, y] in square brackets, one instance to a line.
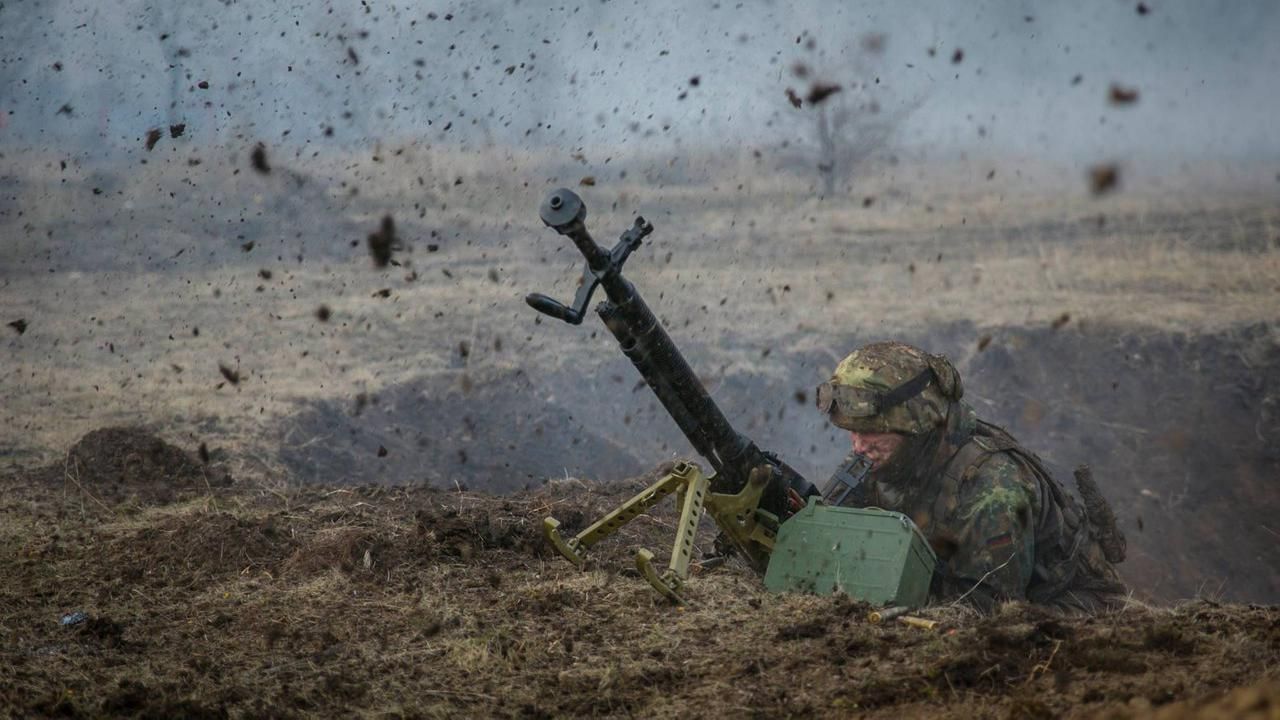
[988, 79]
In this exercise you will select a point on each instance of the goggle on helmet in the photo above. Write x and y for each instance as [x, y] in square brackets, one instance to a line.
[853, 402]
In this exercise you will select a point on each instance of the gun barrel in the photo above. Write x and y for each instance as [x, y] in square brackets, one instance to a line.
[645, 342]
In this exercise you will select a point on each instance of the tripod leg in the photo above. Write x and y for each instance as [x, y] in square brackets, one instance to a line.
[575, 548]
[671, 583]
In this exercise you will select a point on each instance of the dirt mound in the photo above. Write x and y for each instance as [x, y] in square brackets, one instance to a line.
[422, 534]
[495, 430]
[187, 549]
[119, 464]
[414, 601]
[1257, 702]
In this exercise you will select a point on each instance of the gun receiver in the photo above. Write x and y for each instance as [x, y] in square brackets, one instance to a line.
[752, 490]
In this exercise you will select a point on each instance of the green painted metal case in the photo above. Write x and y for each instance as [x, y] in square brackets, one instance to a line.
[873, 555]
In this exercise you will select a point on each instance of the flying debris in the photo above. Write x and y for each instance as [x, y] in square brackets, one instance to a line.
[1103, 178]
[819, 92]
[258, 158]
[383, 242]
[1120, 95]
[232, 376]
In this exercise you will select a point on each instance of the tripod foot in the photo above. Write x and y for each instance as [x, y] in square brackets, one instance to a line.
[668, 583]
[568, 548]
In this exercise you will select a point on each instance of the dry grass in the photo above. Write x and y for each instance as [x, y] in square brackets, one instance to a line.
[250, 600]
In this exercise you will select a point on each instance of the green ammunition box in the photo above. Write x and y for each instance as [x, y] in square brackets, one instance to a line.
[873, 555]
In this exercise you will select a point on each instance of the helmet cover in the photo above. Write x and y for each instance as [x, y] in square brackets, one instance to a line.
[890, 387]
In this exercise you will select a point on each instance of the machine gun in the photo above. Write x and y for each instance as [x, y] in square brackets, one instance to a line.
[750, 492]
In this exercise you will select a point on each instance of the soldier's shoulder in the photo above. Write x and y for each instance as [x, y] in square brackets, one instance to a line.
[999, 487]
[997, 468]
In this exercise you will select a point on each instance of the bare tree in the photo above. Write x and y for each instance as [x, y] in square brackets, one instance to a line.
[848, 131]
[849, 122]
[166, 20]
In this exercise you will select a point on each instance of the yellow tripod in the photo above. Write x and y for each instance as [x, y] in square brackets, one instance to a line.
[751, 529]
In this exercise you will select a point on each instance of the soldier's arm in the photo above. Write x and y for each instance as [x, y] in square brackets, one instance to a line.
[993, 532]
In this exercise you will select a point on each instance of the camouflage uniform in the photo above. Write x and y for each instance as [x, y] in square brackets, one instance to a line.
[1001, 526]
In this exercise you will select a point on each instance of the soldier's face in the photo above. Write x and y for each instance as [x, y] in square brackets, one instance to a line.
[877, 447]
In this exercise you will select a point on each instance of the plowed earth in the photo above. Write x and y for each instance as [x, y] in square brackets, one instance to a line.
[204, 596]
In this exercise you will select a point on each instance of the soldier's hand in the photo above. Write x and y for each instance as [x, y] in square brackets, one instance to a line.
[760, 474]
[764, 474]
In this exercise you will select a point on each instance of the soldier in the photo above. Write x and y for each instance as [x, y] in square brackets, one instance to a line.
[1001, 526]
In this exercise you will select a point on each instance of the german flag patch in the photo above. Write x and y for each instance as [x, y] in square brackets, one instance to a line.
[1000, 541]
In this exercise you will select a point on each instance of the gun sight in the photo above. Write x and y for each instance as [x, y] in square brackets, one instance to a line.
[564, 211]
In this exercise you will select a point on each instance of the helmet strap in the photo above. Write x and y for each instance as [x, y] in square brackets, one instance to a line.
[954, 436]
[905, 391]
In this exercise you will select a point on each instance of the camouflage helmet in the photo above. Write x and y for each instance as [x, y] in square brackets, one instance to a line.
[890, 387]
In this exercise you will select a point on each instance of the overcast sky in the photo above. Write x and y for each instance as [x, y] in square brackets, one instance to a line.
[1006, 76]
